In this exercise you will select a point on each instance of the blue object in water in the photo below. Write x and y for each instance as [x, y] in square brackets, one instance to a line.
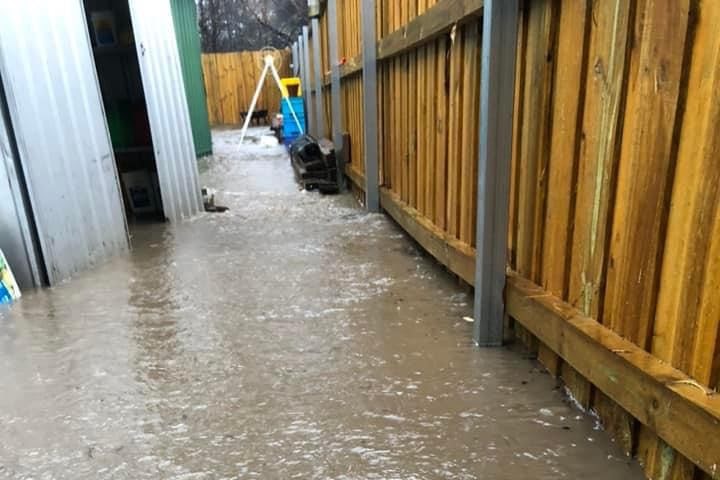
[9, 291]
[5, 296]
[290, 127]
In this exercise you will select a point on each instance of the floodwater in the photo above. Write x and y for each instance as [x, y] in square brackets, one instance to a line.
[294, 336]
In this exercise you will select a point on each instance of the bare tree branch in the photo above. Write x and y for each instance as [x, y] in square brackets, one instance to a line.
[235, 25]
[274, 30]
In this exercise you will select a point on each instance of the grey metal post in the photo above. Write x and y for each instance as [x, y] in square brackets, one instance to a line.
[307, 88]
[369, 51]
[317, 66]
[496, 115]
[301, 70]
[294, 59]
[335, 105]
[301, 62]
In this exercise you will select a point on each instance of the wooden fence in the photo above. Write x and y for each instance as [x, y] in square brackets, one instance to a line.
[617, 184]
[231, 79]
[351, 91]
[614, 238]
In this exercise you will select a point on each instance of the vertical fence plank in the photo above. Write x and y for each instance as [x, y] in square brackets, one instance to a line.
[421, 130]
[469, 134]
[568, 98]
[687, 323]
[602, 120]
[454, 130]
[574, 27]
[644, 172]
[535, 135]
[441, 144]
[518, 118]
[335, 95]
[645, 166]
[431, 128]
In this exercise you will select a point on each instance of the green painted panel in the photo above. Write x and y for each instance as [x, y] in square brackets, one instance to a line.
[188, 40]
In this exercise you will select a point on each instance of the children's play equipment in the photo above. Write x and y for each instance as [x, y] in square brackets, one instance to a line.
[269, 58]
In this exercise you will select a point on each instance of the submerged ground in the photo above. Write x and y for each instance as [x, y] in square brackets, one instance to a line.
[294, 336]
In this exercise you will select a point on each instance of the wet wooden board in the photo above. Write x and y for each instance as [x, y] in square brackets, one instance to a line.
[604, 130]
[651, 390]
[459, 258]
[437, 20]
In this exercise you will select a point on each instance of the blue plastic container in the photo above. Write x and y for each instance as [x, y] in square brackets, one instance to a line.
[290, 128]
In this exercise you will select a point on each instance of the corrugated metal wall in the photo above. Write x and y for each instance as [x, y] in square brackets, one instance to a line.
[63, 142]
[188, 41]
[16, 240]
[167, 108]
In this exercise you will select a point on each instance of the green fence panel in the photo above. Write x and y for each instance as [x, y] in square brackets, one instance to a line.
[188, 40]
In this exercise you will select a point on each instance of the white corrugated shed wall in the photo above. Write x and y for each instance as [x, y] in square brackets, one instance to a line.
[16, 239]
[55, 107]
[167, 108]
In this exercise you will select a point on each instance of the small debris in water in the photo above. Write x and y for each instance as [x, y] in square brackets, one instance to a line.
[269, 141]
[209, 201]
[469, 319]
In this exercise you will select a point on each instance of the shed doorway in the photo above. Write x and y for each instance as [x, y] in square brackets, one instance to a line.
[123, 95]
[51, 75]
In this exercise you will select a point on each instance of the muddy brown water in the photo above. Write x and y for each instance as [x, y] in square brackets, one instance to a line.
[294, 336]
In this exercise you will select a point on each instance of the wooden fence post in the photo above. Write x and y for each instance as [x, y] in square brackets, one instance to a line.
[496, 117]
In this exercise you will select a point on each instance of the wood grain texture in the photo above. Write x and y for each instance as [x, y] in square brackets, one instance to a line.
[441, 133]
[437, 20]
[645, 168]
[230, 82]
[518, 119]
[642, 200]
[421, 128]
[351, 66]
[430, 135]
[602, 123]
[684, 333]
[470, 128]
[686, 324]
[615, 192]
[569, 96]
[535, 135]
[454, 138]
